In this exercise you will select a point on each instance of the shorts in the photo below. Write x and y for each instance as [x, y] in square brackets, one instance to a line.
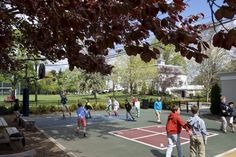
[116, 108]
[109, 108]
[81, 121]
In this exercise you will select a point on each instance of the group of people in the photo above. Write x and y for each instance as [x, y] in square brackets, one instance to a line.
[112, 104]
[196, 128]
[226, 115]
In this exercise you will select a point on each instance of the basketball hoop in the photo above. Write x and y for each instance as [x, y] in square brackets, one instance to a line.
[41, 71]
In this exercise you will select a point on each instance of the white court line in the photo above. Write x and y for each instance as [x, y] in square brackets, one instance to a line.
[155, 133]
[60, 146]
[160, 126]
[145, 136]
[225, 153]
[150, 145]
[147, 130]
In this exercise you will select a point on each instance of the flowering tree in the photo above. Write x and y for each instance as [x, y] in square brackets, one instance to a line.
[84, 30]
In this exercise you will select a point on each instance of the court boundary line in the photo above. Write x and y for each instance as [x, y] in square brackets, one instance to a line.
[225, 153]
[115, 133]
[58, 144]
[136, 141]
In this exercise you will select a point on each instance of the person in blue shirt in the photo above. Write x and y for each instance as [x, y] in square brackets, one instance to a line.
[198, 138]
[81, 119]
[158, 109]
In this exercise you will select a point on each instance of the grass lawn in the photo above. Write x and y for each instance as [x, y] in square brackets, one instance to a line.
[74, 98]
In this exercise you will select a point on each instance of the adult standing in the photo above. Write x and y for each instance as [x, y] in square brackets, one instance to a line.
[158, 109]
[224, 113]
[64, 104]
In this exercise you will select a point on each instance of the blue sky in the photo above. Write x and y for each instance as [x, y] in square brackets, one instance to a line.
[200, 6]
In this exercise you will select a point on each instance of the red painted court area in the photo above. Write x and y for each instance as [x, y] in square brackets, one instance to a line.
[153, 136]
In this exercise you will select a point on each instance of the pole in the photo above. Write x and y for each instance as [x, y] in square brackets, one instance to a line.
[26, 94]
[36, 86]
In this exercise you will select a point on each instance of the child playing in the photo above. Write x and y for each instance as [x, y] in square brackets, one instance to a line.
[109, 106]
[137, 107]
[231, 117]
[158, 109]
[116, 106]
[173, 128]
[81, 120]
[88, 109]
[198, 138]
[128, 108]
[64, 104]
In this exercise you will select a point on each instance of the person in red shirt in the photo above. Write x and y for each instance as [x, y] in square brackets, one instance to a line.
[173, 128]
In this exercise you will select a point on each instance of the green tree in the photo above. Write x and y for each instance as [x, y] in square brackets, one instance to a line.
[210, 68]
[215, 99]
[144, 88]
[91, 82]
[135, 71]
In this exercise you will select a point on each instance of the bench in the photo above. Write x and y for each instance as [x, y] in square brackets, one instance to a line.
[15, 138]
[27, 123]
[28, 153]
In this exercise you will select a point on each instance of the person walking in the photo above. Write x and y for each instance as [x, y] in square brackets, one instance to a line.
[128, 108]
[64, 104]
[158, 109]
[116, 106]
[224, 114]
[81, 119]
[109, 106]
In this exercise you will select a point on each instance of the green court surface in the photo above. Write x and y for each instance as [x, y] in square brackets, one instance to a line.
[101, 143]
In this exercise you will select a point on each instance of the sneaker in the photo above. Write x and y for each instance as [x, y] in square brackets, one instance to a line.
[85, 135]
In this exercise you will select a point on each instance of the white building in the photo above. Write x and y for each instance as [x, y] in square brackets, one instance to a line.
[228, 86]
[179, 86]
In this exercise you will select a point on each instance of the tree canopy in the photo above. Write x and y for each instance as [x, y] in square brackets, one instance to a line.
[83, 31]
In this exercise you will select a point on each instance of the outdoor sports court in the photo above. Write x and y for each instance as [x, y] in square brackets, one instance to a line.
[116, 137]
[153, 136]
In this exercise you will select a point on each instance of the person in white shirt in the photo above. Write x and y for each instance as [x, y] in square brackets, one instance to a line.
[116, 106]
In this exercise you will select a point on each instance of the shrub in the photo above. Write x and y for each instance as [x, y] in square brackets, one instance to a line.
[73, 107]
[5, 110]
[42, 108]
[51, 108]
[96, 106]
[167, 103]
[215, 99]
[102, 106]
